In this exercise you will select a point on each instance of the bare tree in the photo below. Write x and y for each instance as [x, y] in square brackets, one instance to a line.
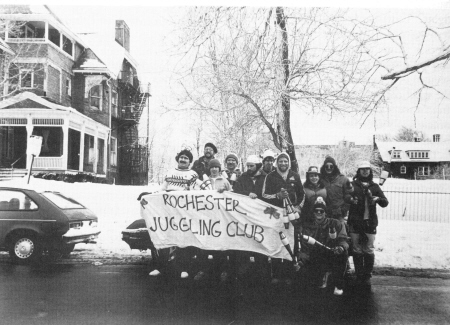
[406, 134]
[259, 63]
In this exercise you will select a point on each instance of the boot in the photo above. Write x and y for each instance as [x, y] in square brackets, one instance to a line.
[369, 261]
[358, 261]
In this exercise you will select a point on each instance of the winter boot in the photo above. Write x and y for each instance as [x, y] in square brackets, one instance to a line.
[358, 261]
[369, 260]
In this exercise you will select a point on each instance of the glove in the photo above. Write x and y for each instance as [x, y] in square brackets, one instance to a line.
[374, 200]
[283, 194]
[354, 200]
[338, 250]
[253, 195]
[143, 203]
[142, 194]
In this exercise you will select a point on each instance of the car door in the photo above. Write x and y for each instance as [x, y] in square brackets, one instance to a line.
[17, 211]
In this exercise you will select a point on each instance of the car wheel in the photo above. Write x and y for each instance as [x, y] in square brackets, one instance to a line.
[25, 249]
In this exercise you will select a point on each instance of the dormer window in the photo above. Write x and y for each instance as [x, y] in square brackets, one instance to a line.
[396, 154]
[417, 154]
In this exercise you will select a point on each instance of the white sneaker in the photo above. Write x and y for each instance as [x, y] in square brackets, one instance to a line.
[184, 275]
[338, 292]
[325, 280]
[154, 273]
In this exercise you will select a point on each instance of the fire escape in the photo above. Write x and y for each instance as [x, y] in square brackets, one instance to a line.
[133, 151]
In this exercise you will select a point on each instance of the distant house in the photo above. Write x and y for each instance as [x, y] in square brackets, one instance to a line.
[415, 160]
[83, 97]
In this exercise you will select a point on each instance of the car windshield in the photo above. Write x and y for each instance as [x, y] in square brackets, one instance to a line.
[61, 201]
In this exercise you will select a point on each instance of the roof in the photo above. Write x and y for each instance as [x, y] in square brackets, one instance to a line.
[5, 47]
[37, 102]
[437, 151]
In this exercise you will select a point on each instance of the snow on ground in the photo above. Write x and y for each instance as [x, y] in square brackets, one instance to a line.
[399, 243]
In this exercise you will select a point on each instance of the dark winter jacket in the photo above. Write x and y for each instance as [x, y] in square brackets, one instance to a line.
[321, 233]
[274, 182]
[312, 192]
[337, 187]
[245, 184]
[356, 213]
[201, 167]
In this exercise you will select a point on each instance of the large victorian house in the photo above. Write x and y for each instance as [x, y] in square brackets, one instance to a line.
[82, 96]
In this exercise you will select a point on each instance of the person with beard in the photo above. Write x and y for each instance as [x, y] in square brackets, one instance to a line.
[201, 165]
[314, 188]
[322, 262]
[268, 158]
[363, 221]
[245, 184]
[337, 187]
[177, 179]
[232, 162]
[280, 184]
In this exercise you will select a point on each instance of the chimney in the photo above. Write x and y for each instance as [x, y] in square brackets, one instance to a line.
[123, 34]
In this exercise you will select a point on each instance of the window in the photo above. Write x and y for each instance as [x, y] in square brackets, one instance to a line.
[436, 137]
[114, 103]
[68, 87]
[16, 200]
[403, 169]
[67, 45]
[26, 78]
[62, 201]
[424, 171]
[396, 154]
[418, 154]
[95, 97]
[113, 151]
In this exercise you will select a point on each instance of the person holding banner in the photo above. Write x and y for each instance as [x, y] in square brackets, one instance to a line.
[201, 165]
[177, 179]
[232, 172]
[329, 261]
[268, 158]
[218, 259]
[279, 185]
[363, 221]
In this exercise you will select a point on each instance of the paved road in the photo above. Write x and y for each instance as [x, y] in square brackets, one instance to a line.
[124, 294]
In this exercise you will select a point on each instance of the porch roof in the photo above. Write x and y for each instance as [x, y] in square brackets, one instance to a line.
[21, 105]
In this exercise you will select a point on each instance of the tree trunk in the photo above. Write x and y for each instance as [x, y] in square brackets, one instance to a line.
[284, 118]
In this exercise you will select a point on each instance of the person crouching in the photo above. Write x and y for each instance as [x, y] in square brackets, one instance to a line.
[328, 264]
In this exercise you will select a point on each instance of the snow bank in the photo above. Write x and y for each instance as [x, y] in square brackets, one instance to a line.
[399, 243]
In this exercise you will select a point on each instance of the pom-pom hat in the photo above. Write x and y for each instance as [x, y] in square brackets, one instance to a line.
[320, 203]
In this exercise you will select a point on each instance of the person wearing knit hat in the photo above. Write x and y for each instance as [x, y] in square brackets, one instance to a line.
[281, 184]
[330, 264]
[201, 165]
[314, 188]
[178, 179]
[232, 172]
[337, 186]
[363, 221]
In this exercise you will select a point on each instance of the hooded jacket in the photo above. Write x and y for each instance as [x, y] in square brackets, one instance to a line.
[337, 187]
[274, 182]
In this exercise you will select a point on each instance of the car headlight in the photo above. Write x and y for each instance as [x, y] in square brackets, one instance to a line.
[93, 224]
[76, 225]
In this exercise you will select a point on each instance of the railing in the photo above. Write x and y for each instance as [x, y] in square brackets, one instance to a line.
[22, 40]
[48, 162]
[424, 205]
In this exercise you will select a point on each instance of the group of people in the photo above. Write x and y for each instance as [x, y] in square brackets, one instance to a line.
[338, 213]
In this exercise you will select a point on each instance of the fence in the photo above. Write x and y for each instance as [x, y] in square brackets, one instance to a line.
[427, 200]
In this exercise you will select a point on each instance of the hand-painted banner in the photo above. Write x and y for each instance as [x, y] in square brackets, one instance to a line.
[216, 221]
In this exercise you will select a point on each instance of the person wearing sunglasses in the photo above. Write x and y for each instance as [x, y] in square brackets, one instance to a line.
[337, 186]
[325, 265]
[363, 221]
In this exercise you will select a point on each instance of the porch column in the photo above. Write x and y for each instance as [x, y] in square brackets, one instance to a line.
[82, 148]
[105, 152]
[95, 150]
[65, 129]
[29, 128]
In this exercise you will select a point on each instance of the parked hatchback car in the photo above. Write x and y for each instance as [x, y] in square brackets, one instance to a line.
[33, 221]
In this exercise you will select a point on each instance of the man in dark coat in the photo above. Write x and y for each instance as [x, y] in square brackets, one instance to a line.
[201, 165]
[278, 185]
[363, 221]
[337, 186]
[319, 260]
[246, 183]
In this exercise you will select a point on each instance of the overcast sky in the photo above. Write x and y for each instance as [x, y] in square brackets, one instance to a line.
[150, 38]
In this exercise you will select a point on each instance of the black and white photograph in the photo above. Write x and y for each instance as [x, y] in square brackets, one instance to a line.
[229, 162]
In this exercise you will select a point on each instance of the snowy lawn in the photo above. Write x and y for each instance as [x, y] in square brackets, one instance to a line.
[399, 243]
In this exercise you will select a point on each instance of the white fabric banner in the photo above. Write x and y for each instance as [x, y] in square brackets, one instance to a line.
[216, 221]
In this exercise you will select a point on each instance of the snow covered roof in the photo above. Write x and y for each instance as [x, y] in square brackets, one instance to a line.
[5, 47]
[437, 151]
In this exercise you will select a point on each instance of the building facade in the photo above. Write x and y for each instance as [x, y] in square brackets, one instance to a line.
[85, 106]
